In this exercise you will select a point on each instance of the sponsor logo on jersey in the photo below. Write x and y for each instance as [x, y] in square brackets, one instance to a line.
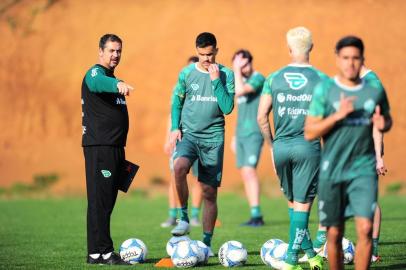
[200, 98]
[369, 105]
[281, 97]
[242, 99]
[94, 72]
[296, 81]
[325, 165]
[194, 86]
[120, 101]
[281, 111]
[106, 173]
[359, 121]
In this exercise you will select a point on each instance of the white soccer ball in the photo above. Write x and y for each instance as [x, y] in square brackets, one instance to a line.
[185, 254]
[266, 249]
[348, 250]
[232, 253]
[203, 252]
[278, 255]
[133, 250]
[170, 246]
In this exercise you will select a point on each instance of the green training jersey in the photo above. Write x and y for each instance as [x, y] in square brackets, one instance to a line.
[199, 104]
[371, 76]
[291, 89]
[348, 150]
[248, 107]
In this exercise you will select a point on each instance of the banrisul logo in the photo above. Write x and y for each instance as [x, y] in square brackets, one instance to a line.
[194, 86]
[106, 173]
[295, 80]
[369, 105]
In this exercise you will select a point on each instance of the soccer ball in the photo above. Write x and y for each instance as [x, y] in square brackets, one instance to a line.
[348, 250]
[232, 253]
[277, 255]
[185, 254]
[266, 249]
[203, 252]
[133, 250]
[170, 246]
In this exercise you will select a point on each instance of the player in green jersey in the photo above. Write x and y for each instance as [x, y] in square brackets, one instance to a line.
[288, 92]
[247, 143]
[174, 204]
[344, 111]
[203, 94]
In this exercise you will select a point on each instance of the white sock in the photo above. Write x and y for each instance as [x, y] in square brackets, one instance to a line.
[106, 256]
[95, 255]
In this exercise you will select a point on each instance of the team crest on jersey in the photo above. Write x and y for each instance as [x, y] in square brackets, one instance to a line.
[336, 105]
[194, 86]
[94, 72]
[295, 80]
[281, 111]
[369, 105]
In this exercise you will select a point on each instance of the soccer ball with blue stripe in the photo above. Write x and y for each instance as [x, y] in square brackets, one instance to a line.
[267, 248]
[348, 250]
[185, 254]
[170, 246]
[232, 254]
[133, 250]
[203, 252]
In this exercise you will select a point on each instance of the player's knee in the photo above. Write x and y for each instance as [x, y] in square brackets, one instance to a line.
[210, 194]
[181, 169]
[334, 234]
[364, 229]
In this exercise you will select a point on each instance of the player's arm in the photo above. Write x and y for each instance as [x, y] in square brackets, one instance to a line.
[241, 88]
[97, 82]
[316, 124]
[178, 99]
[378, 145]
[224, 94]
[264, 108]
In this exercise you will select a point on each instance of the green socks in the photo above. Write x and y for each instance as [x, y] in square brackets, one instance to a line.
[375, 246]
[207, 236]
[173, 213]
[195, 212]
[320, 239]
[299, 237]
[183, 214]
[256, 211]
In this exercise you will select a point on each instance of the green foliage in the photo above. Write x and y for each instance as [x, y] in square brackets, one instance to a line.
[157, 180]
[394, 188]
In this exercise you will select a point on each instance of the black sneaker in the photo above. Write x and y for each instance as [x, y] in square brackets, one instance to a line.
[90, 260]
[254, 222]
[114, 259]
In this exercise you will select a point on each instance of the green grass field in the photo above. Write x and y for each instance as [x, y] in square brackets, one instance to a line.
[50, 233]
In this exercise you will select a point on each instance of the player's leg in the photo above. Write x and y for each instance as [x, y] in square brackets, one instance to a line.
[185, 154]
[196, 195]
[173, 200]
[334, 247]
[210, 174]
[248, 151]
[375, 234]
[362, 196]
[320, 239]
[332, 205]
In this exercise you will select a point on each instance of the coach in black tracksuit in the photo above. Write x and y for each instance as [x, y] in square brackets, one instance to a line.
[104, 129]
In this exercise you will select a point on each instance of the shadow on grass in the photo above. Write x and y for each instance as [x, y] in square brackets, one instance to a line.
[391, 243]
[253, 252]
[393, 266]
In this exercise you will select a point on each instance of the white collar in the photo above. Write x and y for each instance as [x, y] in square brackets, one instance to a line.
[349, 88]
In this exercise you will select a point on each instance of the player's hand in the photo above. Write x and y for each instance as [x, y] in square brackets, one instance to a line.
[239, 62]
[380, 166]
[232, 144]
[214, 72]
[377, 119]
[346, 106]
[175, 136]
[124, 89]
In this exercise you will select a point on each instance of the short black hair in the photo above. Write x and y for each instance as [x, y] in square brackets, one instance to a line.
[206, 39]
[193, 59]
[108, 37]
[245, 54]
[350, 41]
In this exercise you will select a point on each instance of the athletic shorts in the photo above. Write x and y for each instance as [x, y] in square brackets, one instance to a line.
[248, 150]
[297, 165]
[209, 156]
[195, 165]
[339, 201]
